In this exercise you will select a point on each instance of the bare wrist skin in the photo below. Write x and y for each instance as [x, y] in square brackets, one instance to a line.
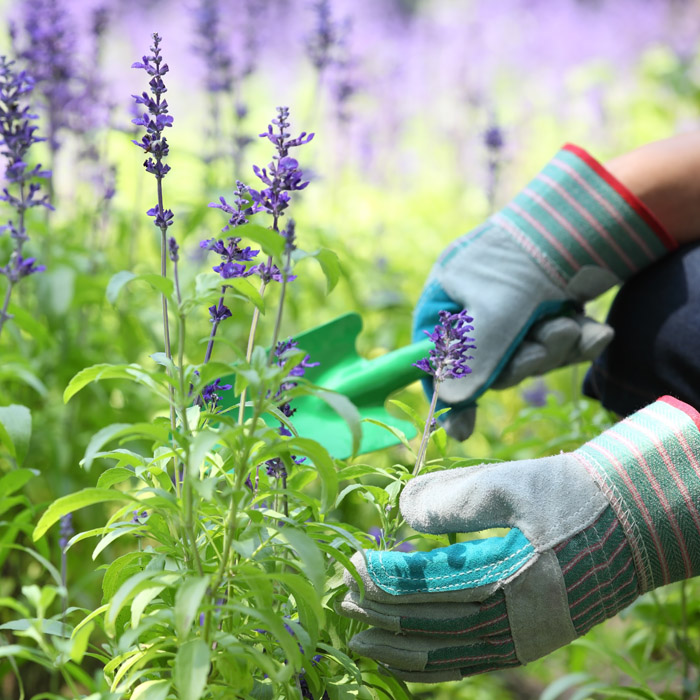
[665, 176]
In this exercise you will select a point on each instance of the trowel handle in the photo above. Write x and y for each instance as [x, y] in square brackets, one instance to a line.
[383, 375]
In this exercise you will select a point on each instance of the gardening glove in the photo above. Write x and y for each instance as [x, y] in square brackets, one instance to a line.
[589, 532]
[525, 274]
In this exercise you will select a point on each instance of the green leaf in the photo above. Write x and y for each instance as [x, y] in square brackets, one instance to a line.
[191, 669]
[309, 554]
[324, 465]
[347, 410]
[142, 600]
[16, 422]
[14, 480]
[131, 587]
[565, 683]
[97, 442]
[151, 690]
[270, 241]
[119, 571]
[201, 446]
[73, 502]
[117, 283]
[27, 322]
[15, 371]
[244, 287]
[188, 600]
[115, 475]
[330, 265]
[132, 372]
[80, 640]
[119, 430]
[162, 359]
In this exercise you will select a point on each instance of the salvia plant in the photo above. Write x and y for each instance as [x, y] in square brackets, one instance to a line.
[228, 587]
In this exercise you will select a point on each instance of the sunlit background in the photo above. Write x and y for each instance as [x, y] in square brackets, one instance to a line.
[428, 115]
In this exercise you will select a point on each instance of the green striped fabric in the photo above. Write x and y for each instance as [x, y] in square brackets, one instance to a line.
[648, 465]
[574, 213]
[598, 571]
[482, 642]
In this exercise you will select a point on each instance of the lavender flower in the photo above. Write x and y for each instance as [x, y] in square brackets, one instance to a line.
[212, 48]
[494, 141]
[493, 138]
[17, 136]
[448, 358]
[240, 211]
[49, 55]
[325, 37]
[283, 175]
[66, 530]
[173, 249]
[219, 312]
[536, 394]
[156, 119]
[281, 355]
[210, 396]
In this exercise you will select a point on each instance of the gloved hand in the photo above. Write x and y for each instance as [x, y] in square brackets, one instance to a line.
[590, 531]
[572, 233]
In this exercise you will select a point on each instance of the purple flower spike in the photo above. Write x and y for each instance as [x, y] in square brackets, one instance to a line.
[448, 358]
[283, 175]
[156, 119]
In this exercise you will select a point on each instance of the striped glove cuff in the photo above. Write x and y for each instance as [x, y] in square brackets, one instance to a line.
[575, 214]
[648, 466]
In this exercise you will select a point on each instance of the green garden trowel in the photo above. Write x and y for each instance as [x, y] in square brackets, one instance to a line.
[367, 383]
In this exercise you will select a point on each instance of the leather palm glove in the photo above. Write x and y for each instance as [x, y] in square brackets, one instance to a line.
[572, 233]
[589, 532]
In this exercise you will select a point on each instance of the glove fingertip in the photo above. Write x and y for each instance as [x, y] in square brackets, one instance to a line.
[459, 423]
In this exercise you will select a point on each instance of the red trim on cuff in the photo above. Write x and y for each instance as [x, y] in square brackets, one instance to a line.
[642, 210]
[682, 406]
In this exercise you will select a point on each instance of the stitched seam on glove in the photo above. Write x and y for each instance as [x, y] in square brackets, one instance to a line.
[552, 271]
[630, 528]
[493, 573]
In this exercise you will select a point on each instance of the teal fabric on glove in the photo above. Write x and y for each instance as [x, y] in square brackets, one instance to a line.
[525, 274]
[589, 531]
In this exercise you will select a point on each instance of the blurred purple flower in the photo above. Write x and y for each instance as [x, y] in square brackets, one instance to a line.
[173, 249]
[66, 530]
[536, 393]
[448, 358]
[211, 46]
[47, 49]
[324, 38]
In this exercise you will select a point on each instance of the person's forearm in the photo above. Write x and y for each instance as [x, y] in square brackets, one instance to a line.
[665, 175]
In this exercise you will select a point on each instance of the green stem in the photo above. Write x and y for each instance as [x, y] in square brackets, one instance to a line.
[166, 323]
[249, 349]
[426, 434]
[280, 307]
[3, 314]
